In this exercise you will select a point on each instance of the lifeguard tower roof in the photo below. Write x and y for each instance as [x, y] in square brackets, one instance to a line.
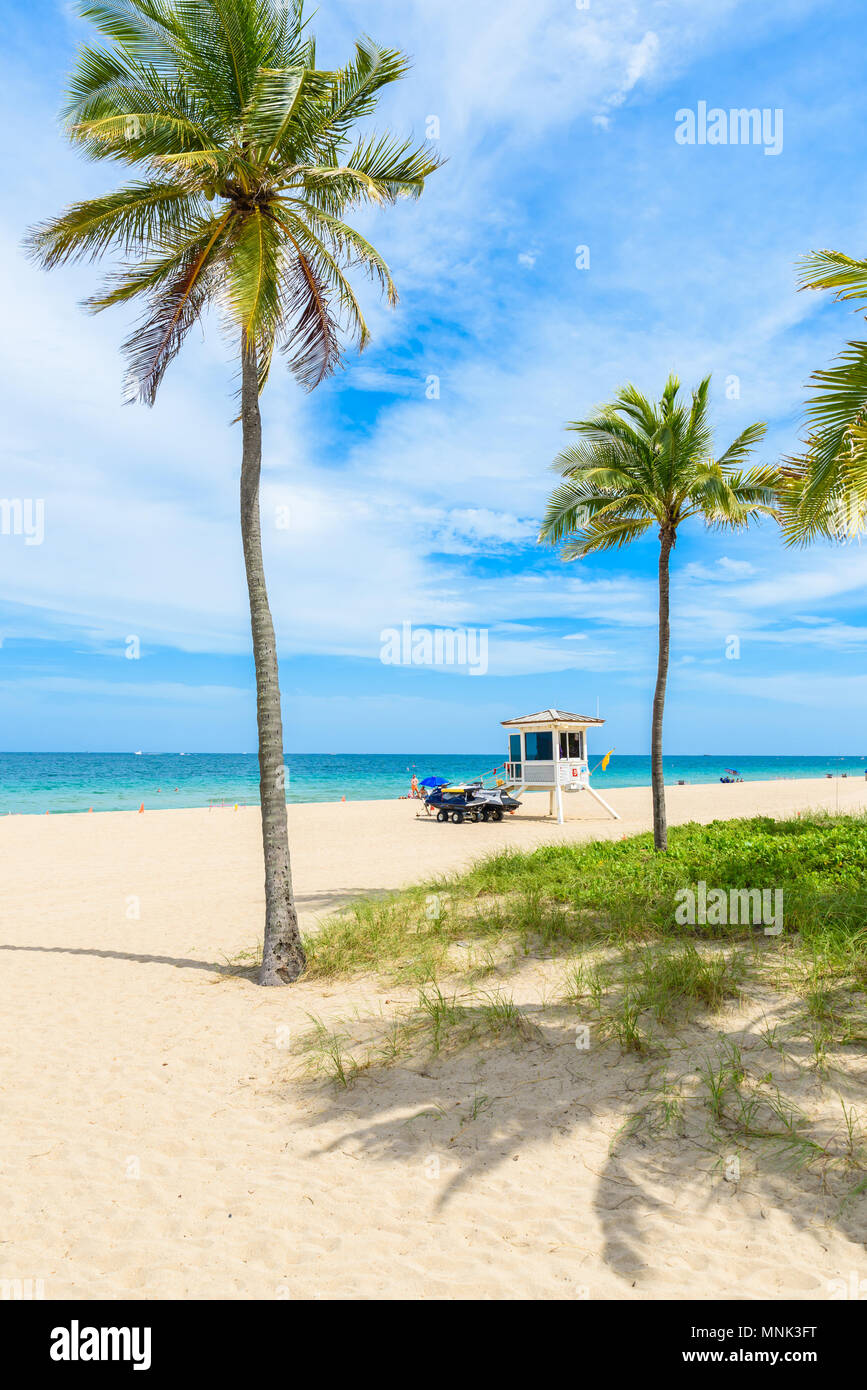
[551, 716]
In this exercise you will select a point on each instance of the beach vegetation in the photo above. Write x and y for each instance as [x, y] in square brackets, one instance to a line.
[740, 1043]
[619, 893]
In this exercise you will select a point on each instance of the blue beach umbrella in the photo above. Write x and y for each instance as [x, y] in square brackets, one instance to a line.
[434, 782]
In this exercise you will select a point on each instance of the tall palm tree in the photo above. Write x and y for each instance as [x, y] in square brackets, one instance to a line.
[824, 489]
[639, 465]
[248, 167]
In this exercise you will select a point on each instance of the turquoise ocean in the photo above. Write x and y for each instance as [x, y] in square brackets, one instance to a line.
[33, 783]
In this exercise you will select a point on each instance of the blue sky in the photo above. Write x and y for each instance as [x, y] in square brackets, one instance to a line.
[403, 506]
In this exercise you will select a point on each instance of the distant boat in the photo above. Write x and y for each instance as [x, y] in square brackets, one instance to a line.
[138, 752]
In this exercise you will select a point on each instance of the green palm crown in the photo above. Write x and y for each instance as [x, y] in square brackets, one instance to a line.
[248, 167]
[640, 464]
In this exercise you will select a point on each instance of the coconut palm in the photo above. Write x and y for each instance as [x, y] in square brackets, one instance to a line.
[824, 490]
[248, 166]
[640, 465]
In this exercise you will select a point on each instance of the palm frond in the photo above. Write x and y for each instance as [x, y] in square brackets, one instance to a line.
[828, 480]
[740, 448]
[356, 88]
[329, 274]
[602, 534]
[832, 270]
[345, 242]
[178, 300]
[729, 500]
[572, 507]
[276, 105]
[311, 341]
[252, 279]
[840, 400]
[131, 220]
[391, 169]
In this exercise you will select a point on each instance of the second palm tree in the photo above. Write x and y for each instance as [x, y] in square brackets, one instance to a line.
[640, 464]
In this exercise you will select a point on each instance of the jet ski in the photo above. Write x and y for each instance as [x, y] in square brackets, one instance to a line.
[470, 801]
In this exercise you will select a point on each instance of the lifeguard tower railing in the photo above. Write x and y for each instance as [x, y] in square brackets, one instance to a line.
[571, 773]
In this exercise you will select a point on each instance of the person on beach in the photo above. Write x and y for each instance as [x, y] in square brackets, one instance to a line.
[413, 786]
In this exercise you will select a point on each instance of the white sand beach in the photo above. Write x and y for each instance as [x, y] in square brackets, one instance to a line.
[159, 1143]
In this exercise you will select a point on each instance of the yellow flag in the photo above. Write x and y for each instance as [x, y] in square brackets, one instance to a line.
[604, 762]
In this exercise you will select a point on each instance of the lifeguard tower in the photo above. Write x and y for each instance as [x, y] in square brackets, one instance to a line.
[548, 753]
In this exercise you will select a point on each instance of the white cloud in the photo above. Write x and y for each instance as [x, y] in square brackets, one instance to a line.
[723, 571]
[829, 635]
[814, 690]
[474, 530]
[641, 58]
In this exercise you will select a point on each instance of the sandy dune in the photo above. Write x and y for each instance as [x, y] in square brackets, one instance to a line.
[157, 1142]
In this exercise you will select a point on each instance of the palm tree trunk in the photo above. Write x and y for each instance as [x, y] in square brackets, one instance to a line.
[283, 955]
[660, 826]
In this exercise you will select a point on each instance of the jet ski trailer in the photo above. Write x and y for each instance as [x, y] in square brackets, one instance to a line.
[472, 802]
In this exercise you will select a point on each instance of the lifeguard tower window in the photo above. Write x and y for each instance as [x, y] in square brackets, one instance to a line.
[515, 753]
[572, 745]
[540, 747]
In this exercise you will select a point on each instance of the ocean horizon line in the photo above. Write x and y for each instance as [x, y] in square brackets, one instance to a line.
[375, 753]
[61, 782]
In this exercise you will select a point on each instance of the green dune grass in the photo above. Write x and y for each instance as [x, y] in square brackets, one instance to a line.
[560, 898]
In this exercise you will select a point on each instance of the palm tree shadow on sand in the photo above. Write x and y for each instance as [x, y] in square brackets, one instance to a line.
[482, 1116]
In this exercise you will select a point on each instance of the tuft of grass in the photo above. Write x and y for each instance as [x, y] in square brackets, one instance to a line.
[669, 1104]
[325, 1053]
[499, 1011]
[676, 981]
[443, 1015]
[243, 964]
[436, 1023]
[663, 1112]
[624, 1023]
[723, 1076]
[585, 980]
[375, 933]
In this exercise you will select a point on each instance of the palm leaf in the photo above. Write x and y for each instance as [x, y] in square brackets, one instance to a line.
[601, 534]
[831, 270]
[180, 299]
[130, 220]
